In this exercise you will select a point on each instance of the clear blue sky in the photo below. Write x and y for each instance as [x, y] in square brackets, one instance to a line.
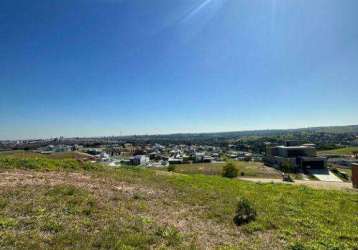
[110, 67]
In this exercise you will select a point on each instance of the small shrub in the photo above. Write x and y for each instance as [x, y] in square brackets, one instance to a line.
[3, 203]
[51, 226]
[89, 207]
[245, 212]
[230, 171]
[138, 196]
[287, 178]
[297, 246]
[7, 222]
[170, 234]
[171, 168]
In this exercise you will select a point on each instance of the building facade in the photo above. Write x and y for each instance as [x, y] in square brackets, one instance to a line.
[294, 157]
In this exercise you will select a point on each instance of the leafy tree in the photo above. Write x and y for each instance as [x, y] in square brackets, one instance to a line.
[230, 171]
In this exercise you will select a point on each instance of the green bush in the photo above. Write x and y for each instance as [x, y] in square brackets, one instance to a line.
[7, 222]
[171, 168]
[230, 171]
[245, 212]
[297, 246]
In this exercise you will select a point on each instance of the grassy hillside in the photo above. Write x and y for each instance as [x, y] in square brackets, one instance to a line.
[249, 169]
[43, 163]
[86, 207]
[340, 151]
[29, 154]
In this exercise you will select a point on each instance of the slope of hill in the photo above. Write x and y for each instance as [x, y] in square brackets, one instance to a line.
[55, 155]
[340, 133]
[266, 132]
[340, 151]
[81, 206]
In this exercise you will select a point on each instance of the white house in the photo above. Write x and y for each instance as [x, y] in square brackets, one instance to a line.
[139, 160]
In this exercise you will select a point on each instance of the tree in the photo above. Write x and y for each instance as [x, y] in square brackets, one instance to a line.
[230, 171]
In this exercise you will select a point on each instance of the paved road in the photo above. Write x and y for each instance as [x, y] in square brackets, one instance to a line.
[312, 184]
[324, 175]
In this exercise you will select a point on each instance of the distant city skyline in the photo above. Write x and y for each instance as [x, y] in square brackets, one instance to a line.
[78, 68]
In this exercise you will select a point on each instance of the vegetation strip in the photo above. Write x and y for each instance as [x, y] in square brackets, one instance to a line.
[99, 207]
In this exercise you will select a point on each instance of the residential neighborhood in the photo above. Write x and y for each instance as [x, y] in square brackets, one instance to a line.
[296, 158]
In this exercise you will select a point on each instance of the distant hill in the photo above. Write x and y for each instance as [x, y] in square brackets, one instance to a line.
[335, 131]
[320, 135]
[269, 132]
[340, 151]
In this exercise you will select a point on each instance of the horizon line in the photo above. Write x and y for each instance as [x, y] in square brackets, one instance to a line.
[182, 133]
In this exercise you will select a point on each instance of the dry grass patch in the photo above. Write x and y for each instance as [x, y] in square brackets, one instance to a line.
[248, 169]
[137, 208]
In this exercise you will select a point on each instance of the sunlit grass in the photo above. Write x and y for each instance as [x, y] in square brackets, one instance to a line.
[135, 208]
[340, 151]
[248, 169]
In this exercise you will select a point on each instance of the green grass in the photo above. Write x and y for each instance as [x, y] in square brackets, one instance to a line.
[29, 154]
[68, 217]
[31, 161]
[134, 208]
[340, 151]
[347, 171]
[249, 169]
